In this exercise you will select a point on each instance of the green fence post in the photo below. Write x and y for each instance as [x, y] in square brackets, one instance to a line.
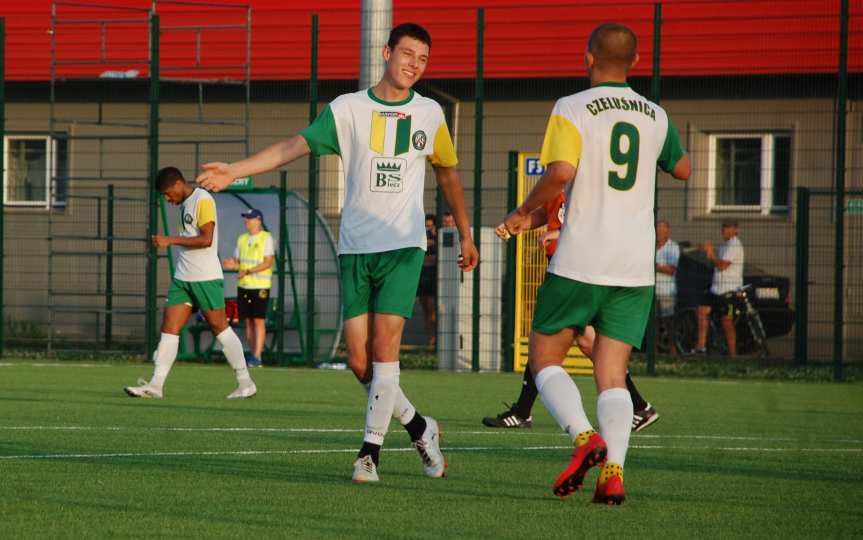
[313, 204]
[508, 294]
[477, 186]
[839, 262]
[280, 269]
[650, 333]
[2, 169]
[153, 195]
[801, 278]
[109, 267]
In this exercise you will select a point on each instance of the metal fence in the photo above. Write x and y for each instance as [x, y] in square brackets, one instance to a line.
[775, 143]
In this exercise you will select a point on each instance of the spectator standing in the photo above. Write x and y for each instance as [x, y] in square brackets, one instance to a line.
[253, 260]
[727, 278]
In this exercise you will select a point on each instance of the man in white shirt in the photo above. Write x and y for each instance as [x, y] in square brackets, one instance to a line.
[384, 135]
[727, 278]
[602, 146]
[667, 256]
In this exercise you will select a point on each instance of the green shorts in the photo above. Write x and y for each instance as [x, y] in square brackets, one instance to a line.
[203, 295]
[617, 312]
[383, 282]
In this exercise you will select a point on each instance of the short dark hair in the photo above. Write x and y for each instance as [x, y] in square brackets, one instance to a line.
[613, 45]
[410, 30]
[431, 217]
[730, 222]
[167, 177]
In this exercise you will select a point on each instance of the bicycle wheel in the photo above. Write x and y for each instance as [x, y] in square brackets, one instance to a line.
[716, 338]
[685, 330]
[753, 319]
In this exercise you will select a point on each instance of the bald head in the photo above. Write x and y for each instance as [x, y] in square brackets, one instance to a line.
[613, 47]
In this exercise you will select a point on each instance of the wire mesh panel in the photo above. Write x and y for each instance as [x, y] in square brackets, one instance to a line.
[754, 104]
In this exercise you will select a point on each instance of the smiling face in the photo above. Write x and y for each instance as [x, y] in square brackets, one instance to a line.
[406, 63]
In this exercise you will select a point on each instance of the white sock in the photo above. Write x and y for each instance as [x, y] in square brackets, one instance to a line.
[382, 398]
[233, 349]
[562, 399]
[166, 353]
[614, 414]
[403, 410]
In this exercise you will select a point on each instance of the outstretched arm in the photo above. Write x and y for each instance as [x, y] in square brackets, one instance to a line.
[450, 185]
[555, 178]
[218, 176]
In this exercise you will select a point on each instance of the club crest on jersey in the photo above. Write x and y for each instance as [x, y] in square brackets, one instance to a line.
[419, 140]
[387, 174]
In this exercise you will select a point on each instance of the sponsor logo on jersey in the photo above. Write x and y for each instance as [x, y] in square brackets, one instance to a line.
[387, 174]
[392, 114]
[419, 140]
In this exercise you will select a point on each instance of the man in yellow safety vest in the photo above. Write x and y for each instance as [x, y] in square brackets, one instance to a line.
[253, 261]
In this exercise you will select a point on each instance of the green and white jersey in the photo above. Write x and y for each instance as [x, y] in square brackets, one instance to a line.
[615, 138]
[384, 147]
[200, 264]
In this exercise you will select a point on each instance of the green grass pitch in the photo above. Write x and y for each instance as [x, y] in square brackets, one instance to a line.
[728, 459]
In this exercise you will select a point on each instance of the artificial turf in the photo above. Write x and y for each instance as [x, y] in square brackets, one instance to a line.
[78, 458]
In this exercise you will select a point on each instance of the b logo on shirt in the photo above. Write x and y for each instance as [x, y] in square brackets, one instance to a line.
[387, 174]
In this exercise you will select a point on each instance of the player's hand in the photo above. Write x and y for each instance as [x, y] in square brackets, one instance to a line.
[502, 233]
[516, 222]
[242, 273]
[469, 257]
[549, 237]
[160, 241]
[230, 264]
[216, 176]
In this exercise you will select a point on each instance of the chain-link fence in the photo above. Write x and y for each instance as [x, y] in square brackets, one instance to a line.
[100, 96]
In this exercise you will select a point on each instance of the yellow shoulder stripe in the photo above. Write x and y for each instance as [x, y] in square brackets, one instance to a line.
[562, 142]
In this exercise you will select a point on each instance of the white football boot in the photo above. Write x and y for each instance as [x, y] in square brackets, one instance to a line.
[365, 470]
[244, 391]
[144, 390]
[428, 447]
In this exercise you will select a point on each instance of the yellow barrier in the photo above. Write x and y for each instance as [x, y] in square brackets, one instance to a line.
[529, 272]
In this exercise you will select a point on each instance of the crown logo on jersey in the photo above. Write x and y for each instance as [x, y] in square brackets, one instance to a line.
[388, 167]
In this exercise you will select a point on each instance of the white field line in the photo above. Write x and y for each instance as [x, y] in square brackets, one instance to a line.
[457, 449]
[489, 432]
[52, 364]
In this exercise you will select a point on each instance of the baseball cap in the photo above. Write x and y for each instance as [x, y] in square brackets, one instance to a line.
[253, 213]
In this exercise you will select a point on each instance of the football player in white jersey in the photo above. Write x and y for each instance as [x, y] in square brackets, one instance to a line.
[384, 136]
[197, 283]
[603, 146]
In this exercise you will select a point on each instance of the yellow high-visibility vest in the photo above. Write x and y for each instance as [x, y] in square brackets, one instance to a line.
[251, 255]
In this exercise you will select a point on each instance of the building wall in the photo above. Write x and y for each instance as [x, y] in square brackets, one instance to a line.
[507, 126]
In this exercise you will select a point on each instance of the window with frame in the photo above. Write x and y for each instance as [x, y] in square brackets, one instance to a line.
[750, 172]
[36, 172]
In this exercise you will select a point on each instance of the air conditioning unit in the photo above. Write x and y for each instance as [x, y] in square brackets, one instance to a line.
[455, 303]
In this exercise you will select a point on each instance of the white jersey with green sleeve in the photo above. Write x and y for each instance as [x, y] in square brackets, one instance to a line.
[201, 264]
[384, 147]
[615, 138]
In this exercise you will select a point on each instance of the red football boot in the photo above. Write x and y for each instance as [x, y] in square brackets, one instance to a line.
[589, 451]
[609, 485]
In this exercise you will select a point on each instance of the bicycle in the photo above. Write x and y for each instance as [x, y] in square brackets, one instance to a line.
[750, 330]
